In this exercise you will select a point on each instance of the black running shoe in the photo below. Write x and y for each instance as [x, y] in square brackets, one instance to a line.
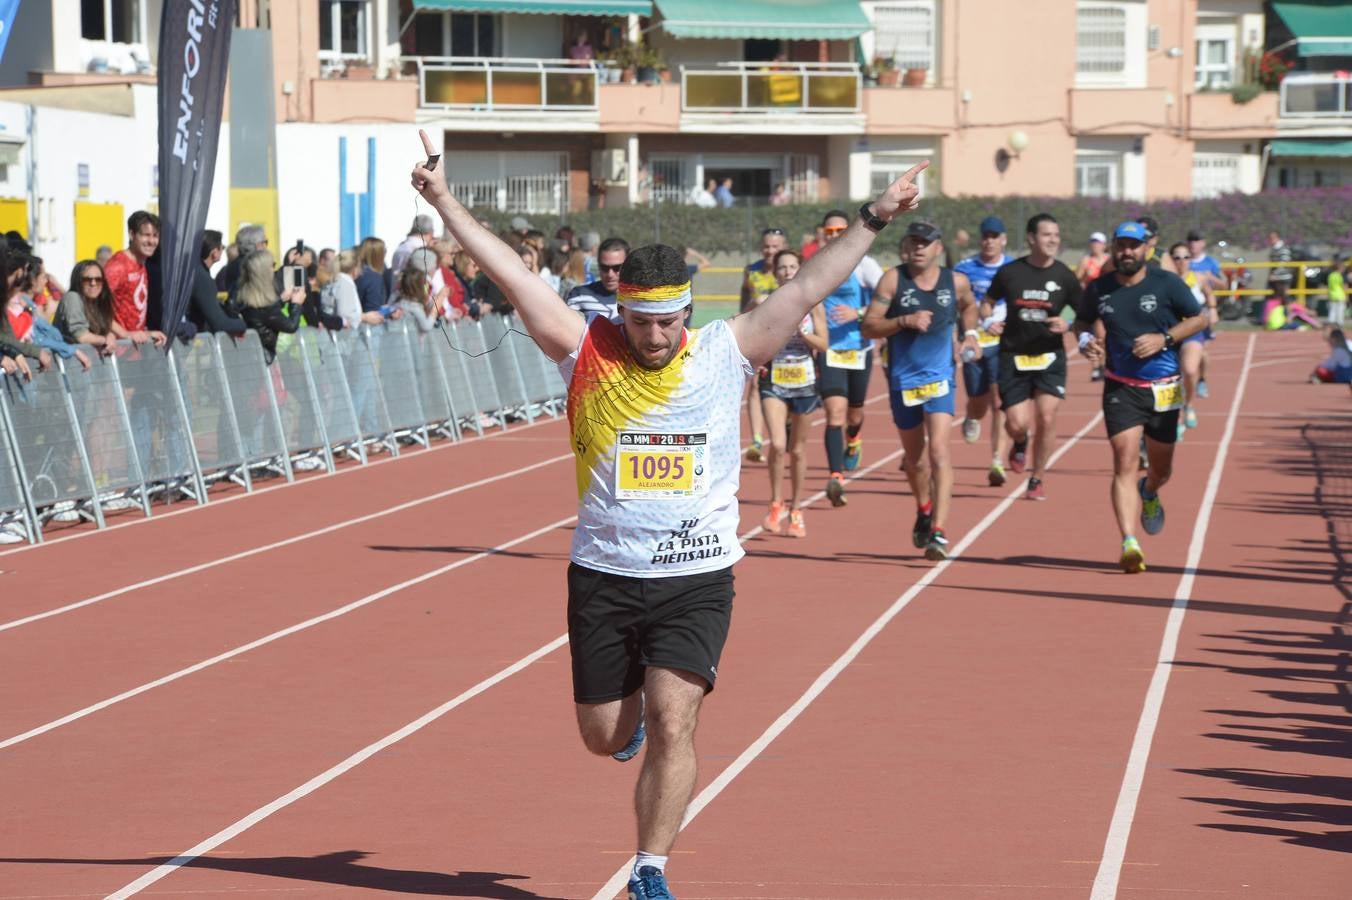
[921, 531]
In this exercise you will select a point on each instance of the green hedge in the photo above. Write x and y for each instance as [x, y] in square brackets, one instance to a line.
[1317, 216]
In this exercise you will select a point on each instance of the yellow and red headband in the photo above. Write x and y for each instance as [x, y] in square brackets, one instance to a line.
[656, 300]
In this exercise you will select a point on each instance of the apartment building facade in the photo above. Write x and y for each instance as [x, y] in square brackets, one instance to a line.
[546, 106]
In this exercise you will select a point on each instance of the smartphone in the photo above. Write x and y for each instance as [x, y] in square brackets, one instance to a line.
[432, 161]
[293, 277]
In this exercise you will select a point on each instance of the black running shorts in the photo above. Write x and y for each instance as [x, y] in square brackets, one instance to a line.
[1017, 386]
[1127, 406]
[851, 383]
[618, 625]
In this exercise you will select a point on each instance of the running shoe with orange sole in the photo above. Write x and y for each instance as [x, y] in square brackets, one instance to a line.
[774, 517]
[797, 528]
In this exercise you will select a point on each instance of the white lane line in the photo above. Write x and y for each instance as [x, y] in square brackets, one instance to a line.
[715, 787]
[189, 507]
[357, 604]
[328, 775]
[1119, 831]
[278, 635]
[245, 554]
[370, 750]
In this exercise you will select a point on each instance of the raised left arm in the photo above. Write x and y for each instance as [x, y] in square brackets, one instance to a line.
[761, 331]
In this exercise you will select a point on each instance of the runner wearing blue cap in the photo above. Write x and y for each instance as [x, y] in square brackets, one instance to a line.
[1032, 347]
[981, 376]
[1146, 313]
[917, 308]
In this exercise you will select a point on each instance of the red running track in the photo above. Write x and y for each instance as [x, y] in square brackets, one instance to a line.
[405, 725]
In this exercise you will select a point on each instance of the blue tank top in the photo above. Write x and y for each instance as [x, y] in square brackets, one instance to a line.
[850, 294]
[915, 358]
[980, 274]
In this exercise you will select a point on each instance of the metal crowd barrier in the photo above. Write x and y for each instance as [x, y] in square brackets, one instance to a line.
[145, 425]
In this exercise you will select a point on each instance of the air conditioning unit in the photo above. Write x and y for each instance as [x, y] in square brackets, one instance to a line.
[610, 166]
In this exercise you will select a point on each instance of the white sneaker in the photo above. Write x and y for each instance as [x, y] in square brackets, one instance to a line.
[66, 512]
[307, 464]
[117, 504]
[12, 534]
[971, 430]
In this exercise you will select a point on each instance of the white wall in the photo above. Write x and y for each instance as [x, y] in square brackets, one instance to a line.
[121, 153]
[308, 179]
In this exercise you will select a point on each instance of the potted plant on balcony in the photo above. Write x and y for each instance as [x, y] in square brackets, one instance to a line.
[915, 77]
[626, 57]
[649, 63]
[886, 72]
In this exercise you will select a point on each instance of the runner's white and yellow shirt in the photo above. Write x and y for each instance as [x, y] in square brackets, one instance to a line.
[658, 453]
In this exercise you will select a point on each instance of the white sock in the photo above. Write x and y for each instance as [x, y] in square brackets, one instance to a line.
[649, 859]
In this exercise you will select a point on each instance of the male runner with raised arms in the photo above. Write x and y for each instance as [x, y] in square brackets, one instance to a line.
[981, 376]
[654, 416]
[1032, 353]
[916, 308]
[1145, 312]
[758, 281]
[843, 370]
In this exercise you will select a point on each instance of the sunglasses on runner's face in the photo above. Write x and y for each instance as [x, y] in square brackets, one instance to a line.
[834, 229]
[1181, 259]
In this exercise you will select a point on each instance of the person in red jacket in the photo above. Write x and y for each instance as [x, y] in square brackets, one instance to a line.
[127, 278]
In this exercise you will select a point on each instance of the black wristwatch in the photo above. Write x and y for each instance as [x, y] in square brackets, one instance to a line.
[1169, 342]
[871, 222]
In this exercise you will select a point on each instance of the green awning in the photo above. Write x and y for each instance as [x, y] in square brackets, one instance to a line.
[1339, 149]
[792, 20]
[543, 7]
[1321, 27]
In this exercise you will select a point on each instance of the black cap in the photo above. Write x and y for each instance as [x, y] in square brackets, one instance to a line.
[1152, 227]
[1194, 235]
[925, 231]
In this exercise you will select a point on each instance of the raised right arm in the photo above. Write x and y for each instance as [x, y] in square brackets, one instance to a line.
[555, 327]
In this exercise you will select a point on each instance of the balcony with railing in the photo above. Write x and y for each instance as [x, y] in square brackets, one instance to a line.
[1311, 95]
[802, 97]
[492, 88]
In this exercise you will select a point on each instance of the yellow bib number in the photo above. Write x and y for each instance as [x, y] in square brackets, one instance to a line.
[1036, 362]
[660, 466]
[1168, 395]
[986, 339]
[793, 374]
[845, 359]
[918, 395]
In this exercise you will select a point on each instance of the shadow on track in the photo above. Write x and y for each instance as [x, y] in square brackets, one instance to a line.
[339, 868]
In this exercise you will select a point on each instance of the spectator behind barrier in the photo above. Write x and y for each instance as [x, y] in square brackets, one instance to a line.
[574, 273]
[599, 296]
[101, 256]
[338, 296]
[466, 271]
[374, 284]
[262, 305]
[126, 271]
[85, 314]
[204, 309]
[420, 235]
[25, 321]
[415, 298]
[453, 301]
[248, 239]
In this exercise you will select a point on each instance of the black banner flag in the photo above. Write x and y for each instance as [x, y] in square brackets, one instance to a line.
[193, 61]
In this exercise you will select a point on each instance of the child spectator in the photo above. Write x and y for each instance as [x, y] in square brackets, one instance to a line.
[1337, 367]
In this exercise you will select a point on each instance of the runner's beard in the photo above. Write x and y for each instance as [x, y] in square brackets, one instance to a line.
[1128, 265]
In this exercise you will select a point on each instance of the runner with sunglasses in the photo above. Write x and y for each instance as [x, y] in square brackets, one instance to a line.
[758, 281]
[843, 369]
